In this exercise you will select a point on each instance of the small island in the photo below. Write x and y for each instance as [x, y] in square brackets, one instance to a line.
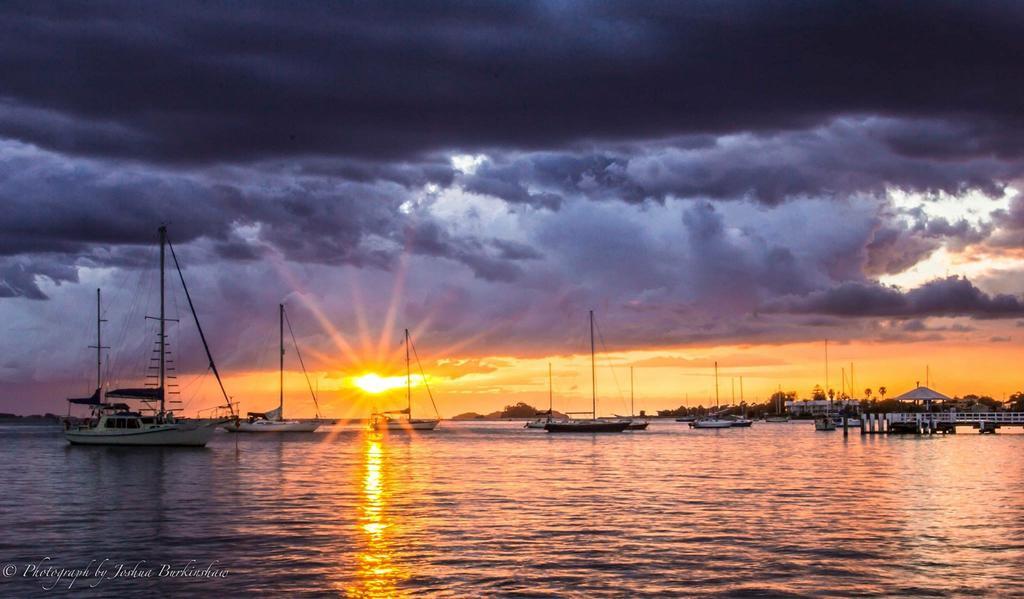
[518, 411]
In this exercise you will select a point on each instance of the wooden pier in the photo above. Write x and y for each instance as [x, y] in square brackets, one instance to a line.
[929, 423]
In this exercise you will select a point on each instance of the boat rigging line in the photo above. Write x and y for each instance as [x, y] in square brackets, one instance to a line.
[301, 363]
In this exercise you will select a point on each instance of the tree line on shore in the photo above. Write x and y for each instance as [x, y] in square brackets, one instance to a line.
[874, 401]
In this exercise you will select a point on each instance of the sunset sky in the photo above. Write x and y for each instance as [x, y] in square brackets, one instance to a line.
[729, 183]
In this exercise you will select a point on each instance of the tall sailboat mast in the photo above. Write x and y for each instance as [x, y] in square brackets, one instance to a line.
[280, 375]
[631, 410]
[99, 343]
[826, 366]
[408, 378]
[163, 337]
[716, 385]
[551, 400]
[593, 370]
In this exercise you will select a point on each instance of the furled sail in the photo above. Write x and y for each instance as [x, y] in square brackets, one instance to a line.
[93, 400]
[146, 393]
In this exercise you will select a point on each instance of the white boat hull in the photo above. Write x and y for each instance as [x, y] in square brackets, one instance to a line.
[405, 425]
[850, 422]
[272, 426]
[822, 424]
[711, 424]
[187, 434]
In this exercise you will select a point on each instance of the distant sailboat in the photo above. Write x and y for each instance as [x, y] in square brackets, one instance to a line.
[592, 424]
[548, 416]
[742, 421]
[273, 421]
[712, 420]
[393, 420]
[635, 424]
[780, 412]
[116, 423]
[824, 422]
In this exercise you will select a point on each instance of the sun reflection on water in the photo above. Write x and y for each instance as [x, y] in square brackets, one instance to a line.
[378, 574]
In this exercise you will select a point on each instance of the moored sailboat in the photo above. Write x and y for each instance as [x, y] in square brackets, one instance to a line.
[274, 421]
[712, 420]
[634, 423]
[549, 415]
[151, 424]
[780, 411]
[741, 421]
[592, 424]
[402, 420]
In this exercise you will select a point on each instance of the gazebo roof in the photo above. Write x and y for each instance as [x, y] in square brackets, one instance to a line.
[922, 394]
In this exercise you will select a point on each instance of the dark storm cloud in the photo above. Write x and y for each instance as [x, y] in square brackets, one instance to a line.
[952, 296]
[842, 157]
[1009, 226]
[62, 213]
[429, 238]
[18, 276]
[196, 82]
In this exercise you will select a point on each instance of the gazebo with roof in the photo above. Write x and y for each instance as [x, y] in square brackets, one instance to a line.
[923, 394]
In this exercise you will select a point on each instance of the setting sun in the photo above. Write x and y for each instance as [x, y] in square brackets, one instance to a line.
[374, 383]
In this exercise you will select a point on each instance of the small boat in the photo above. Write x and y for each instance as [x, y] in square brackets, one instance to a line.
[712, 420]
[686, 419]
[780, 412]
[635, 424]
[545, 417]
[402, 420]
[632, 422]
[851, 422]
[742, 421]
[824, 423]
[592, 424]
[151, 424]
[273, 421]
[393, 421]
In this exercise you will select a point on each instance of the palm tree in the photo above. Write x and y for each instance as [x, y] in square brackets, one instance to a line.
[867, 393]
[882, 391]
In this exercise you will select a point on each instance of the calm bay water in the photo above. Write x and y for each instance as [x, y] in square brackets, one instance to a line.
[492, 509]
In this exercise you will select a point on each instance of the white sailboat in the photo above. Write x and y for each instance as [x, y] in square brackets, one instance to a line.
[402, 420]
[824, 422]
[541, 422]
[712, 420]
[633, 423]
[780, 411]
[151, 423]
[741, 421]
[273, 421]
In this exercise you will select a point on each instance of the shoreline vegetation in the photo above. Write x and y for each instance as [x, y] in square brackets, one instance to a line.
[518, 411]
[867, 404]
[876, 403]
[47, 418]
